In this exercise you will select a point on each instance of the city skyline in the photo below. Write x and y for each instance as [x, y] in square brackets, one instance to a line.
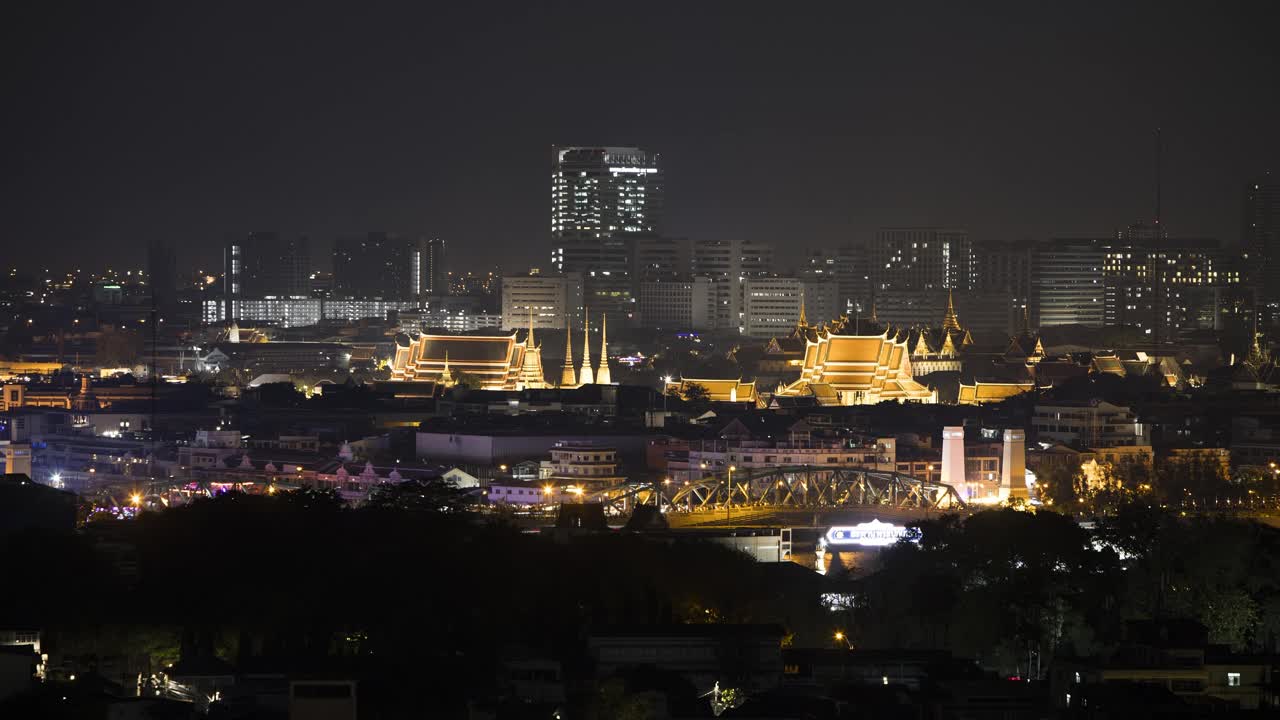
[944, 134]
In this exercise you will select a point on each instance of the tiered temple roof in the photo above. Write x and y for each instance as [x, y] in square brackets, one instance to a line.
[718, 389]
[858, 370]
[498, 361]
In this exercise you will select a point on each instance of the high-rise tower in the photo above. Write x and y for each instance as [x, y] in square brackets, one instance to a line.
[1260, 226]
[602, 199]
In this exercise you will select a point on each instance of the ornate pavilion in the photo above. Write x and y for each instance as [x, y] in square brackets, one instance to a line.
[499, 361]
[840, 369]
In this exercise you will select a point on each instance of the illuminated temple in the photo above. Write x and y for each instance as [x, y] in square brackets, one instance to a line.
[857, 370]
[499, 362]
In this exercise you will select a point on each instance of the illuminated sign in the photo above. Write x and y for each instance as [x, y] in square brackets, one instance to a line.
[871, 534]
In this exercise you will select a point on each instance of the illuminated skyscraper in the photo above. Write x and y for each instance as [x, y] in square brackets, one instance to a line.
[601, 199]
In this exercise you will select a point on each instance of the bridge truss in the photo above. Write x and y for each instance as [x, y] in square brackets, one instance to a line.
[807, 487]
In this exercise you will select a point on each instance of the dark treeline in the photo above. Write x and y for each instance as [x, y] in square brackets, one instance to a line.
[420, 603]
[1010, 588]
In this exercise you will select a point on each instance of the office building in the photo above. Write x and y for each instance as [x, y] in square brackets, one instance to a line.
[1162, 285]
[678, 302]
[1089, 425]
[304, 311]
[845, 269]
[921, 259]
[853, 273]
[771, 306]
[599, 196]
[1067, 281]
[378, 265]
[554, 300]
[821, 299]
[655, 255]
[1001, 282]
[729, 263]
[433, 275]
[266, 265]
[1260, 233]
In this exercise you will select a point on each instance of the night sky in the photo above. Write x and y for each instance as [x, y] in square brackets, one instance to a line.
[198, 122]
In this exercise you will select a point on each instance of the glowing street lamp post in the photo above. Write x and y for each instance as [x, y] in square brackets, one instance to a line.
[728, 497]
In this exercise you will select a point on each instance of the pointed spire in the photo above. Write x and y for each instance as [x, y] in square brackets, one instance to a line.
[950, 321]
[1026, 319]
[567, 377]
[948, 347]
[804, 322]
[528, 342]
[922, 347]
[446, 377]
[585, 375]
[875, 320]
[602, 374]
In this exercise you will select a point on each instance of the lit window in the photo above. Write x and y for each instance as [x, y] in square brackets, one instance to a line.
[1233, 679]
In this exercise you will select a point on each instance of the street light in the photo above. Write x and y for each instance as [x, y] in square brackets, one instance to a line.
[728, 496]
[841, 637]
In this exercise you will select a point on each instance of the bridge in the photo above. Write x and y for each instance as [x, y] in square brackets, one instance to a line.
[761, 495]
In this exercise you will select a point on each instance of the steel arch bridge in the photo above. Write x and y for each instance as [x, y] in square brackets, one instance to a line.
[804, 487]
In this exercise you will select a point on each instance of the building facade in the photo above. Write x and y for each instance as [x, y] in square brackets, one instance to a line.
[1096, 424]
[554, 301]
[265, 264]
[378, 265]
[1067, 281]
[599, 197]
[433, 273]
[922, 258]
[304, 312]
[1260, 233]
[771, 305]
[730, 263]
[680, 302]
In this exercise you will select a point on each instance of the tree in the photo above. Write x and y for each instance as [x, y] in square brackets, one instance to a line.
[468, 381]
[433, 495]
[312, 499]
[697, 396]
[117, 348]
[1061, 487]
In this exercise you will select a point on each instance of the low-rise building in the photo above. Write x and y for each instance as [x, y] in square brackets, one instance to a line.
[587, 465]
[1095, 424]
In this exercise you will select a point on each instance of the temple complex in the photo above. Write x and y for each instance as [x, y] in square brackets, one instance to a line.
[498, 361]
[857, 370]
